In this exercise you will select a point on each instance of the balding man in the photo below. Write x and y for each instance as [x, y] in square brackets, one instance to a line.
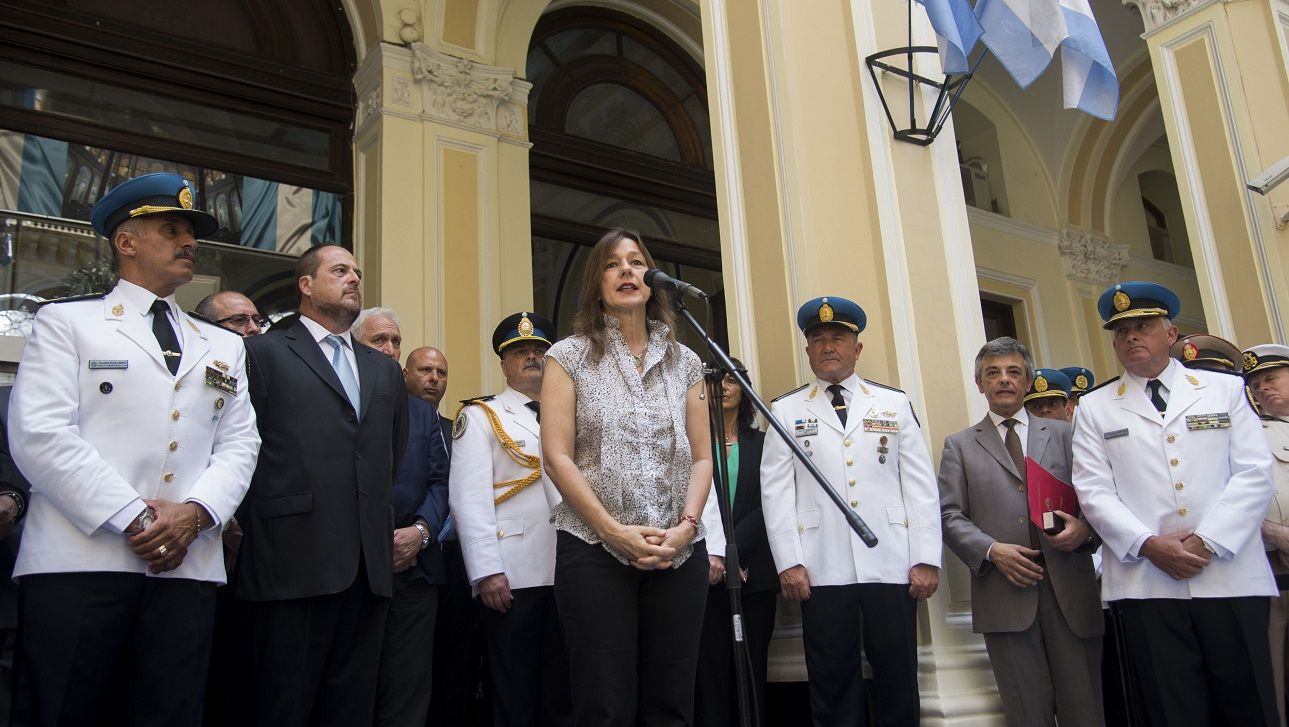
[231, 309]
[420, 507]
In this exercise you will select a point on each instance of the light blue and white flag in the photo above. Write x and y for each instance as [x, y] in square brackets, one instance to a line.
[1022, 34]
[1091, 85]
[957, 31]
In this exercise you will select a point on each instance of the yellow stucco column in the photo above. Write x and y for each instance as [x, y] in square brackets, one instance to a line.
[1220, 66]
[816, 197]
[441, 141]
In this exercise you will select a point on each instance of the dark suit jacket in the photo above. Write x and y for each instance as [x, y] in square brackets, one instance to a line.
[320, 497]
[749, 519]
[421, 490]
[982, 500]
[11, 480]
[445, 428]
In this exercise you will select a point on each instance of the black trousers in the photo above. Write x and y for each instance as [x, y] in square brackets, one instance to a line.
[1203, 660]
[526, 657]
[314, 661]
[458, 648]
[407, 655]
[632, 635]
[716, 694]
[112, 649]
[881, 620]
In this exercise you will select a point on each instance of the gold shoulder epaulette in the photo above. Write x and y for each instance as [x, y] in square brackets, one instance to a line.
[788, 393]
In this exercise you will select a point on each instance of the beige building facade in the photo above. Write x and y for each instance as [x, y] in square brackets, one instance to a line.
[778, 180]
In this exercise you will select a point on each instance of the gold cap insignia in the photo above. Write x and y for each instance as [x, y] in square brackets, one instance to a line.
[1193, 381]
[1081, 381]
[220, 365]
[1190, 352]
[1121, 301]
[525, 326]
[1250, 360]
[1040, 384]
[1122, 388]
[185, 198]
[825, 313]
[219, 403]
[118, 309]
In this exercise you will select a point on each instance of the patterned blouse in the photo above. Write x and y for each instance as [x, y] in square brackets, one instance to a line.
[631, 444]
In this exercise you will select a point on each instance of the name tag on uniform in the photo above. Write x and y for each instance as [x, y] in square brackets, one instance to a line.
[806, 427]
[109, 363]
[1115, 434]
[221, 380]
[881, 425]
[1199, 422]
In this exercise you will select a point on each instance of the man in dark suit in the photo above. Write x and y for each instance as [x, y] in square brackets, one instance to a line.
[315, 563]
[1033, 596]
[420, 507]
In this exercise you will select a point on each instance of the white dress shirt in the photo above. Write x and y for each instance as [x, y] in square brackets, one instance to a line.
[320, 336]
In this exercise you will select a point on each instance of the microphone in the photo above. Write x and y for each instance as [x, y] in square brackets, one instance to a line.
[658, 279]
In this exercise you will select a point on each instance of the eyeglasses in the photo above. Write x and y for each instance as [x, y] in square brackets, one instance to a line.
[242, 319]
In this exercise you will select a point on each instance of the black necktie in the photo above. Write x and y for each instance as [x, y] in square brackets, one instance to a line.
[536, 406]
[165, 334]
[1155, 397]
[838, 403]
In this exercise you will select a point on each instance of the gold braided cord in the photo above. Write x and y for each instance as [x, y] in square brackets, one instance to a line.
[522, 458]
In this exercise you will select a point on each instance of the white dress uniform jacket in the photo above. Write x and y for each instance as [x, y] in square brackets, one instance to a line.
[98, 422]
[1277, 431]
[1201, 467]
[514, 537]
[897, 497]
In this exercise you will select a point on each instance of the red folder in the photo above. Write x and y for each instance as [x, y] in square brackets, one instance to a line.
[1047, 494]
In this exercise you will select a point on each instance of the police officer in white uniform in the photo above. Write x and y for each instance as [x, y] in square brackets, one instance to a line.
[131, 420]
[1172, 472]
[501, 500]
[866, 440]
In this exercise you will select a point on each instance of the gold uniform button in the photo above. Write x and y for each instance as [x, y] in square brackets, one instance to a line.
[1172, 438]
[851, 482]
[854, 503]
[501, 534]
[1173, 461]
[847, 442]
[1020, 487]
[169, 476]
[849, 461]
[174, 446]
[1182, 511]
[1178, 486]
[801, 528]
[176, 386]
[175, 415]
[1020, 520]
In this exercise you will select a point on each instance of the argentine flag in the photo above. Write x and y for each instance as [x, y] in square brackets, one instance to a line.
[957, 30]
[1022, 34]
[1091, 85]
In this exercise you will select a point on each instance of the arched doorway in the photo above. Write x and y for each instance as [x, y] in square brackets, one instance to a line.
[619, 123]
[252, 100]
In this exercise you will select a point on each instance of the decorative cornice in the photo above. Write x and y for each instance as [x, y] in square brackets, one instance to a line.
[1156, 14]
[1091, 256]
[470, 94]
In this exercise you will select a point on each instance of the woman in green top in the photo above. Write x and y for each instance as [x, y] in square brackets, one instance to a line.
[715, 697]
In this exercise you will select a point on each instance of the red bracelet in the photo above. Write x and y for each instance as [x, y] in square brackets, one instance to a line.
[691, 520]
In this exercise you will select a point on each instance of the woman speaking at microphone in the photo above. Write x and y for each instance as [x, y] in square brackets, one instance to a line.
[625, 439]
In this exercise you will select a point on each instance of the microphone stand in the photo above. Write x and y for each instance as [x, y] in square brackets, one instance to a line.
[733, 576]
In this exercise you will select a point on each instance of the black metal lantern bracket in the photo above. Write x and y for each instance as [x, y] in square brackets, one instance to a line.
[949, 90]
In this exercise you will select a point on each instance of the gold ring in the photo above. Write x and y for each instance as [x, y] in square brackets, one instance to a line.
[161, 549]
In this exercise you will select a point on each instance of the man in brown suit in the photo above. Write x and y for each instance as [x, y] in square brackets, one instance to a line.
[1033, 596]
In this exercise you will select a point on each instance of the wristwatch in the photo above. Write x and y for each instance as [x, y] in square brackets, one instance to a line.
[1207, 547]
[425, 533]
